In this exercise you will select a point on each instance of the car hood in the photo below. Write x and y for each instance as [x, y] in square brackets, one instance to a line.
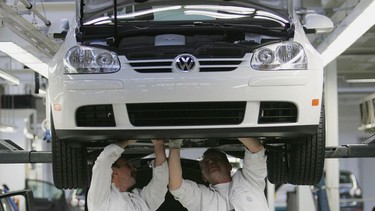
[94, 12]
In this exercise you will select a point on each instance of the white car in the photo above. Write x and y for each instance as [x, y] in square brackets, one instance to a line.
[189, 69]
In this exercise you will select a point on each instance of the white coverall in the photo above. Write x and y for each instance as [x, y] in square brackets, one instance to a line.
[104, 196]
[244, 193]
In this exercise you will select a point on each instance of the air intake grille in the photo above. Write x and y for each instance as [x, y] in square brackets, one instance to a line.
[165, 66]
[185, 114]
[95, 116]
[151, 66]
[277, 112]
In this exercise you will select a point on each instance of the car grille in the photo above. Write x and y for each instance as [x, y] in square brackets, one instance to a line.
[165, 66]
[95, 116]
[277, 112]
[186, 113]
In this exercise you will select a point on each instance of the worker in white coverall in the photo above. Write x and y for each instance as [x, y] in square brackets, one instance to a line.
[244, 191]
[113, 176]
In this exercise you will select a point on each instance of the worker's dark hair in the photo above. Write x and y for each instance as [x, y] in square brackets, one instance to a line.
[214, 151]
[121, 161]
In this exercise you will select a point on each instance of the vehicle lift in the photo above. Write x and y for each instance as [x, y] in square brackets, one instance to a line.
[12, 153]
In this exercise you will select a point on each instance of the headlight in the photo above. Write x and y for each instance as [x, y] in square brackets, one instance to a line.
[280, 56]
[83, 59]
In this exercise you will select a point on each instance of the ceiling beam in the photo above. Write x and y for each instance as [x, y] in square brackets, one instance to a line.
[27, 31]
[348, 31]
[9, 77]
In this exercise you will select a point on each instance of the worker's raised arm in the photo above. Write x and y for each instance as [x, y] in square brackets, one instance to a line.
[100, 187]
[254, 164]
[154, 192]
[174, 162]
[159, 149]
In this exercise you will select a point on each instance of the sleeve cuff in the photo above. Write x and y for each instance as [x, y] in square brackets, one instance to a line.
[163, 167]
[115, 148]
[112, 152]
[160, 173]
[179, 191]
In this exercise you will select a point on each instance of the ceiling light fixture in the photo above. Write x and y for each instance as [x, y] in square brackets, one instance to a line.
[24, 57]
[9, 77]
[6, 128]
[350, 29]
[364, 80]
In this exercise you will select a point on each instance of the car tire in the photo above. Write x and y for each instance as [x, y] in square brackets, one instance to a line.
[306, 158]
[277, 166]
[69, 163]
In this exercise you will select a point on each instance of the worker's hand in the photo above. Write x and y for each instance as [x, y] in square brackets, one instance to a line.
[158, 142]
[125, 143]
[175, 143]
[249, 139]
[252, 144]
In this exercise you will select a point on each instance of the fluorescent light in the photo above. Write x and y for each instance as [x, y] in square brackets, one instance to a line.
[102, 20]
[6, 128]
[271, 16]
[24, 57]
[230, 9]
[365, 80]
[351, 28]
[146, 12]
[214, 14]
[98, 20]
[271, 19]
[9, 77]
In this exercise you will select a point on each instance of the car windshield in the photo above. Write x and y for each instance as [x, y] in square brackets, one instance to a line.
[101, 12]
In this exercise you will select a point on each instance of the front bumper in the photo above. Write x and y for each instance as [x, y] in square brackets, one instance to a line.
[97, 135]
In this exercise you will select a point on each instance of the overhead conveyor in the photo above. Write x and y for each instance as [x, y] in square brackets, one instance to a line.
[12, 153]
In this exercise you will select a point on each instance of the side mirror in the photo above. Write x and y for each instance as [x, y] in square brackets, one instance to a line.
[316, 23]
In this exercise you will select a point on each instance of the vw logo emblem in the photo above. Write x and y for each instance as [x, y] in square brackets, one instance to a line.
[185, 63]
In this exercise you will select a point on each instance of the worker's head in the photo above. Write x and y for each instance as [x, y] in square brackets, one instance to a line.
[123, 174]
[215, 167]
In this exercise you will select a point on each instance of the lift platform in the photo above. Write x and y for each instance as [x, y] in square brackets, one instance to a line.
[12, 153]
[364, 150]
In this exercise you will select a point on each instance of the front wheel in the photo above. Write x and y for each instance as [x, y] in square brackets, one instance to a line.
[69, 163]
[306, 158]
[277, 165]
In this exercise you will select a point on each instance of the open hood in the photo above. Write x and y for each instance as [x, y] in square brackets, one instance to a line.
[101, 12]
